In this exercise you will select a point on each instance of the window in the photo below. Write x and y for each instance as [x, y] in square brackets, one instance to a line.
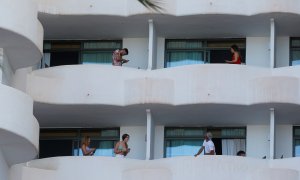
[67, 142]
[58, 53]
[183, 141]
[193, 51]
[187, 141]
[295, 51]
[183, 52]
[296, 135]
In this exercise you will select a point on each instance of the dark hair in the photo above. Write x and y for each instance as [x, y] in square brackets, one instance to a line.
[240, 153]
[124, 136]
[126, 50]
[235, 48]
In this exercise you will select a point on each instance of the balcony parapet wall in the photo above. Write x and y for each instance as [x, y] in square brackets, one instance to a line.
[195, 84]
[21, 33]
[207, 167]
[172, 7]
[18, 127]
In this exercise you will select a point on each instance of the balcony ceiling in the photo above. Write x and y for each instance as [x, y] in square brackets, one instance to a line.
[189, 115]
[196, 26]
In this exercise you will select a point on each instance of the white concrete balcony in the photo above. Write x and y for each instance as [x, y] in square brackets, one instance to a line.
[206, 167]
[195, 84]
[19, 129]
[21, 33]
[172, 7]
[90, 95]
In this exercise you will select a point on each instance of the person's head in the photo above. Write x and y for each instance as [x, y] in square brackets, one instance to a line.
[241, 153]
[208, 136]
[125, 138]
[234, 48]
[125, 51]
[86, 140]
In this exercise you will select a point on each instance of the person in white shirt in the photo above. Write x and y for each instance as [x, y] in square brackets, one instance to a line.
[208, 146]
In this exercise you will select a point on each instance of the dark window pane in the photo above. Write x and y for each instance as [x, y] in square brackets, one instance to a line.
[52, 148]
[64, 58]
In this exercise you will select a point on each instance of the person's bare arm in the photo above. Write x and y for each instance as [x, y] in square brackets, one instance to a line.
[200, 151]
[116, 151]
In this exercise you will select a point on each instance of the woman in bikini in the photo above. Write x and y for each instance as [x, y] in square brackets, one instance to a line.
[121, 148]
[86, 150]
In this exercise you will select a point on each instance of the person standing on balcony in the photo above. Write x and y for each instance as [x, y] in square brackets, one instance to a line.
[208, 146]
[117, 59]
[121, 148]
[86, 150]
[236, 55]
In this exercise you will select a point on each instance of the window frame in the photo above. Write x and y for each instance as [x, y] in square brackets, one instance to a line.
[80, 50]
[295, 138]
[205, 129]
[205, 49]
[292, 48]
[78, 135]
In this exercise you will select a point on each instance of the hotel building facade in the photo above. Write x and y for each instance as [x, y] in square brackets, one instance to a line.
[58, 85]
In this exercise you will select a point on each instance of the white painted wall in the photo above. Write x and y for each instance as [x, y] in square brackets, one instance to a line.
[257, 141]
[160, 53]
[282, 51]
[7, 72]
[137, 142]
[138, 52]
[127, 86]
[4, 169]
[159, 142]
[173, 7]
[177, 168]
[20, 78]
[284, 141]
[257, 51]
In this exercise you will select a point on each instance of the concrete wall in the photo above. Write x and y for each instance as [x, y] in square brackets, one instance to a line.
[284, 141]
[173, 7]
[224, 167]
[257, 141]
[21, 33]
[138, 52]
[137, 142]
[160, 52]
[159, 142]
[18, 127]
[257, 51]
[128, 86]
[282, 51]
[4, 169]
[20, 78]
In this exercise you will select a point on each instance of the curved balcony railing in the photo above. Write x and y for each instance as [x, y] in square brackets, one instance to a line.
[206, 167]
[18, 127]
[172, 7]
[21, 33]
[195, 84]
